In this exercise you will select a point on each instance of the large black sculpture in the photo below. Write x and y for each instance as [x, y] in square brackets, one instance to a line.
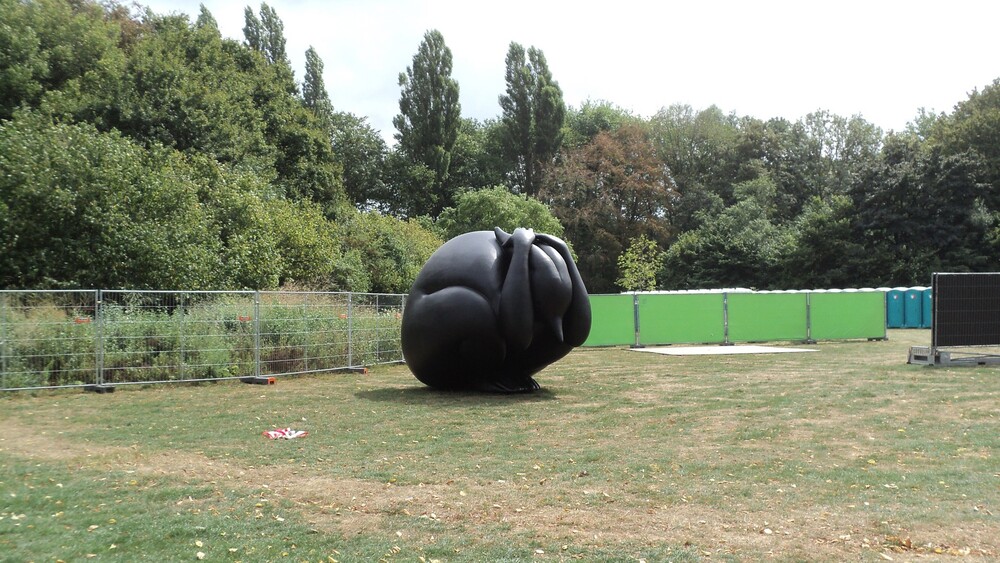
[490, 309]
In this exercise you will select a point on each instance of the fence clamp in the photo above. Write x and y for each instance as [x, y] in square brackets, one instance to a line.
[259, 380]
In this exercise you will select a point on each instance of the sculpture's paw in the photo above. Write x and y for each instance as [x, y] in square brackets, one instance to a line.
[510, 386]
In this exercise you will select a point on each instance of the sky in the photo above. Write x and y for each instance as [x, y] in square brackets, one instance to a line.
[880, 59]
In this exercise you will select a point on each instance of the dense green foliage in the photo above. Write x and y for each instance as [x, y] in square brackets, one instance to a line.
[164, 156]
[142, 150]
[606, 193]
[639, 265]
[485, 209]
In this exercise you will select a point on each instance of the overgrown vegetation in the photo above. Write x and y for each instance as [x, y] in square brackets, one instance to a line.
[847, 453]
[211, 336]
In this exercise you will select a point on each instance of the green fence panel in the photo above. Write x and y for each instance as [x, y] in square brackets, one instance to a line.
[687, 318]
[766, 316]
[613, 321]
[835, 316]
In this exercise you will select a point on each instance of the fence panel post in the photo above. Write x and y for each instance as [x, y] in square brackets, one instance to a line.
[350, 330]
[3, 341]
[99, 336]
[809, 338]
[180, 337]
[725, 318]
[635, 320]
[399, 339]
[307, 322]
[378, 329]
[256, 334]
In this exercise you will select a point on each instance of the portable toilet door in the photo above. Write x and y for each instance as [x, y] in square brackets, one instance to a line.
[913, 309]
[928, 307]
[894, 307]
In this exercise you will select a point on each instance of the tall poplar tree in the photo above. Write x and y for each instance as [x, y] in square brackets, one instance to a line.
[273, 35]
[252, 30]
[205, 19]
[314, 93]
[532, 118]
[428, 120]
[266, 35]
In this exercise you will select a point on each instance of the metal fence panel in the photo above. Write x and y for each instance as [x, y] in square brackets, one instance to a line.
[836, 316]
[161, 336]
[613, 321]
[120, 337]
[303, 332]
[375, 328]
[966, 309]
[682, 318]
[48, 339]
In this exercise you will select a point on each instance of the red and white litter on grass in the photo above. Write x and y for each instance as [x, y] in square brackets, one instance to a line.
[285, 434]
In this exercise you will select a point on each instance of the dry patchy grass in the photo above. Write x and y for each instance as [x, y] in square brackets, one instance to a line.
[846, 453]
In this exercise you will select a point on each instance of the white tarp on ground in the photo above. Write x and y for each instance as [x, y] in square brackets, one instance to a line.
[718, 350]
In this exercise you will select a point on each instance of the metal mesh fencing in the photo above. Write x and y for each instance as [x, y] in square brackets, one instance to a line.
[48, 339]
[375, 328]
[119, 337]
[303, 332]
[306, 332]
[160, 336]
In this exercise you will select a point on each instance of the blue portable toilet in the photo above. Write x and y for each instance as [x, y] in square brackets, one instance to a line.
[894, 307]
[928, 307]
[913, 309]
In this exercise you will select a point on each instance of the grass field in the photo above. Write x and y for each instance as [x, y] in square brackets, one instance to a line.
[843, 454]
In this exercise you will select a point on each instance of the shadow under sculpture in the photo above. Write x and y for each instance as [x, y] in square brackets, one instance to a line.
[490, 309]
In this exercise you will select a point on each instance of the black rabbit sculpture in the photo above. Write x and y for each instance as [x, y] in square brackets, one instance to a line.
[490, 309]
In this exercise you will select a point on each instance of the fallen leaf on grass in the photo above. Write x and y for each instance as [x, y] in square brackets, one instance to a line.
[898, 544]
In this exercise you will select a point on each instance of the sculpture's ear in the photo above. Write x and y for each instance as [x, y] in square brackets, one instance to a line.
[502, 237]
[516, 313]
[577, 319]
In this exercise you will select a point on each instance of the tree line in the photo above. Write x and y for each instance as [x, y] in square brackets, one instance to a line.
[139, 150]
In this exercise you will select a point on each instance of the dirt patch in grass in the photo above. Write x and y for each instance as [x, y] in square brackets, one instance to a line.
[28, 442]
